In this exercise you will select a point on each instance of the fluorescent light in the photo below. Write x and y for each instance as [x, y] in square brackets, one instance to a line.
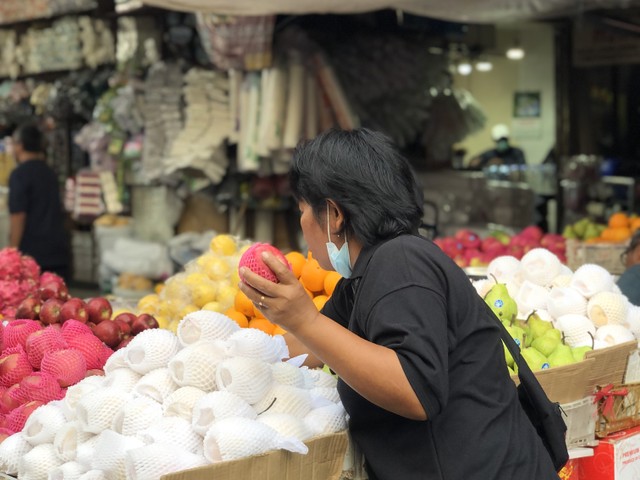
[465, 68]
[515, 53]
[484, 66]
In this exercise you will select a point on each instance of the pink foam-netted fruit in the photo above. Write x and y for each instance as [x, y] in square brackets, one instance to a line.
[90, 346]
[74, 328]
[17, 332]
[67, 366]
[5, 432]
[252, 259]
[42, 387]
[43, 341]
[12, 398]
[14, 366]
[18, 417]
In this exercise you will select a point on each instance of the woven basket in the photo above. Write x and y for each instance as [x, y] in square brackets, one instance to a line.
[619, 409]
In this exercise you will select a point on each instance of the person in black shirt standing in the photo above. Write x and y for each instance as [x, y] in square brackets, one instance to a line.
[503, 154]
[36, 217]
[422, 371]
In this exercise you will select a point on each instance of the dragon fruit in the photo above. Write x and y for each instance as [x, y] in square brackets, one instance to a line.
[19, 278]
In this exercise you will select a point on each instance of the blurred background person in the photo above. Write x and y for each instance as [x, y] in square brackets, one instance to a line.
[502, 154]
[629, 281]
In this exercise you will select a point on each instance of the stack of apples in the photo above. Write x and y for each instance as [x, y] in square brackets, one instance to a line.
[468, 249]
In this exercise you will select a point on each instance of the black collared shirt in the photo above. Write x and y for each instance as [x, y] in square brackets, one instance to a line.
[407, 295]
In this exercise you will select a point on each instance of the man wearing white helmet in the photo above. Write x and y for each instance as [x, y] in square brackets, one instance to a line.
[502, 154]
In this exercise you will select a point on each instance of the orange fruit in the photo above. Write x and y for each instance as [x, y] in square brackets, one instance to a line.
[618, 220]
[330, 282]
[279, 330]
[312, 275]
[616, 235]
[635, 224]
[262, 324]
[237, 317]
[297, 261]
[242, 304]
[319, 301]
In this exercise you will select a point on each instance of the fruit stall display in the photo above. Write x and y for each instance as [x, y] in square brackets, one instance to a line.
[619, 228]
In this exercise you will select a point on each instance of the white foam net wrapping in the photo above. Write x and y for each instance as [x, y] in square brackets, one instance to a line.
[67, 471]
[286, 374]
[11, 451]
[67, 439]
[86, 450]
[80, 389]
[254, 343]
[38, 462]
[287, 425]
[181, 402]
[285, 399]
[153, 461]
[43, 423]
[590, 279]
[196, 365]
[151, 349]
[329, 419]
[123, 379]
[173, 431]
[329, 393]
[157, 385]
[111, 448]
[540, 266]
[608, 308]
[205, 325]
[96, 410]
[249, 378]
[238, 437]
[565, 301]
[117, 360]
[93, 475]
[215, 406]
[136, 415]
[309, 379]
[322, 378]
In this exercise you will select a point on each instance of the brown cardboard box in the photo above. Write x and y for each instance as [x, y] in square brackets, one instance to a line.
[324, 461]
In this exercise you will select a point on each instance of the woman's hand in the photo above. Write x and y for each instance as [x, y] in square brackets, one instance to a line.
[286, 303]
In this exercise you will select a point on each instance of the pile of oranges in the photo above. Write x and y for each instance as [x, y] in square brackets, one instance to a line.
[317, 282]
[620, 228]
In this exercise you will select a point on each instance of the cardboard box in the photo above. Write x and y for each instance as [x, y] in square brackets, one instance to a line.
[617, 457]
[324, 461]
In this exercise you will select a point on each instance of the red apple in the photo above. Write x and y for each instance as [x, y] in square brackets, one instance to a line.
[29, 308]
[54, 289]
[126, 317]
[8, 401]
[124, 343]
[143, 322]
[124, 327]
[95, 372]
[99, 309]
[108, 332]
[468, 238]
[50, 311]
[74, 309]
[532, 231]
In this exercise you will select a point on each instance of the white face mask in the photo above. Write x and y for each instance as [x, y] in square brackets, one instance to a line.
[340, 259]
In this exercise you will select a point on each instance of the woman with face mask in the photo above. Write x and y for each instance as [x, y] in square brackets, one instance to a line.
[503, 153]
[421, 367]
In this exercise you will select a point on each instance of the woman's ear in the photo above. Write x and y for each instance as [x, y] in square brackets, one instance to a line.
[336, 217]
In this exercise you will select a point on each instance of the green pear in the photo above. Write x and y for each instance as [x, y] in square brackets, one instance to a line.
[592, 231]
[537, 326]
[528, 338]
[562, 355]
[546, 345]
[535, 359]
[579, 352]
[580, 227]
[512, 372]
[517, 334]
[507, 356]
[553, 333]
[569, 233]
[501, 303]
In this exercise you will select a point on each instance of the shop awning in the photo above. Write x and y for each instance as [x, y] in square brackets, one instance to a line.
[468, 11]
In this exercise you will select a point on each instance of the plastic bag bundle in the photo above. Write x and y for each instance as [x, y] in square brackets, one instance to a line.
[285, 399]
[136, 415]
[565, 301]
[117, 360]
[608, 308]
[329, 393]
[322, 378]
[205, 325]
[96, 410]
[287, 425]
[238, 437]
[196, 364]
[67, 366]
[157, 385]
[216, 406]
[86, 451]
[38, 462]
[42, 424]
[254, 343]
[590, 279]
[181, 402]
[67, 471]
[540, 266]
[67, 439]
[12, 449]
[123, 379]
[249, 378]
[328, 419]
[286, 374]
[93, 475]
[153, 461]
[80, 389]
[174, 431]
[151, 349]
[111, 448]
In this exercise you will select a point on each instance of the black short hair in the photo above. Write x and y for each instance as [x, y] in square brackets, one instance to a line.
[30, 137]
[365, 174]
